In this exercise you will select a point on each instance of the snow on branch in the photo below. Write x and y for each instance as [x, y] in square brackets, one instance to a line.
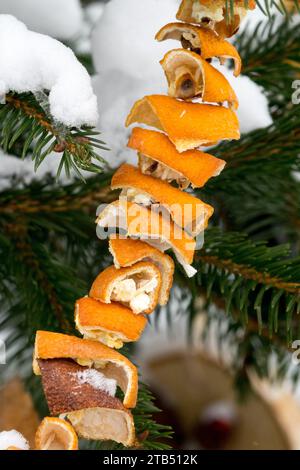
[33, 62]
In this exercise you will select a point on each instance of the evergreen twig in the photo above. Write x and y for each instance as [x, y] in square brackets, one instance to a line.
[25, 124]
[48, 259]
[271, 58]
[265, 6]
[261, 170]
[253, 279]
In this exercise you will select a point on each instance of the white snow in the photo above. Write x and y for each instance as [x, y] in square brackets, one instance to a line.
[253, 112]
[256, 16]
[13, 438]
[97, 380]
[124, 36]
[61, 19]
[251, 21]
[34, 62]
[23, 170]
[126, 56]
[93, 12]
[127, 61]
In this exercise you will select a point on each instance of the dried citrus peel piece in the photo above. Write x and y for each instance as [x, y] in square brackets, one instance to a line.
[190, 76]
[83, 396]
[102, 424]
[111, 324]
[137, 287]
[126, 252]
[49, 345]
[139, 222]
[202, 41]
[158, 157]
[212, 13]
[55, 434]
[188, 125]
[187, 211]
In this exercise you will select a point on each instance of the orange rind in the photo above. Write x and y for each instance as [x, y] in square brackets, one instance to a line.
[126, 252]
[137, 286]
[111, 324]
[112, 364]
[189, 76]
[212, 14]
[188, 125]
[150, 226]
[202, 41]
[87, 400]
[158, 157]
[187, 211]
[55, 434]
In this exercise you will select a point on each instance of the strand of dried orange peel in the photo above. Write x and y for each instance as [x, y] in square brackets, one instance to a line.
[80, 375]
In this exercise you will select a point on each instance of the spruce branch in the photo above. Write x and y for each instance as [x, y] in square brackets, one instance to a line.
[284, 7]
[46, 289]
[260, 170]
[72, 221]
[270, 209]
[248, 352]
[278, 144]
[48, 259]
[47, 197]
[253, 279]
[271, 58]
[25, 124]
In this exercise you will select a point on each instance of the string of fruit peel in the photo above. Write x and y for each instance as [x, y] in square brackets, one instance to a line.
[152, 215]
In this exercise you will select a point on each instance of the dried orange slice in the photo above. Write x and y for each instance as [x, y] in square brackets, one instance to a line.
[190, 76]
[55, 434]
[202, 41]
[187, 211]
[188, 125]
[158, 157]
[212, 13]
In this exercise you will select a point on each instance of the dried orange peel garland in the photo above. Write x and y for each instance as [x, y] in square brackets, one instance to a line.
[151, 216]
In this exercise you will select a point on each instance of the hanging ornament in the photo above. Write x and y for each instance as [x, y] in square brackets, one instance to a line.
[80, 376]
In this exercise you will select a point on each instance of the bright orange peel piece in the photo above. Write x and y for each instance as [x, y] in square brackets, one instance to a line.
[55, 434]
[203, 41]
[150, 226]
[158, 157]
[212, 13]
[111, 324]
[127, 252]
[188, 125]
[187, 211]
[190, 76]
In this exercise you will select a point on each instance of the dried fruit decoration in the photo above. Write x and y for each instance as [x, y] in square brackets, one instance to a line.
[170, 154]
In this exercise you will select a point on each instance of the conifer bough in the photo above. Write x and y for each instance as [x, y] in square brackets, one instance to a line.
[52, 109]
